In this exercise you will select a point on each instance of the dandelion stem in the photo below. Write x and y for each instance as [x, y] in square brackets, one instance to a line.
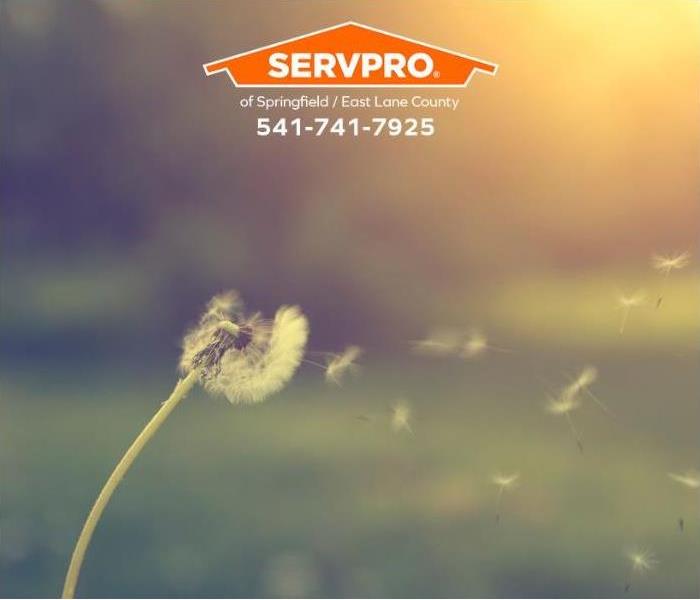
[628, 581]
[625, 314]
[577, 437]
[598, 401]
[663, 287]
[181, 390]
[498, 504]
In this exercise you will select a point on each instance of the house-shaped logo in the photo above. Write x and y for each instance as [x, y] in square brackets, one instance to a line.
[350, 55]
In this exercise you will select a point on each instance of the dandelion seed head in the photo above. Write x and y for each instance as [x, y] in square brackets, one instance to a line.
[505, 481]
[221, 308]
[689, 479]
[631, 300]
[641, 560]
[225, 306]
[401, 418]
[244, 358]
[670, 262]
[339, 364]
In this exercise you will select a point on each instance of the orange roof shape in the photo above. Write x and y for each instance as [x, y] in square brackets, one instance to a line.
[350, 55]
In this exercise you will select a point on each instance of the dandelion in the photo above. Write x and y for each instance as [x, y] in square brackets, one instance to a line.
[504, 483]
[243, 358]
[690, 480]
[640, 561]
[627, 303]
[564, 406]
[401, 418]
[667, 263]
[582, 383]
[439, 342]
[338, 365]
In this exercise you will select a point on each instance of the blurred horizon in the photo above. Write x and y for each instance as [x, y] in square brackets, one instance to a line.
[139, 187]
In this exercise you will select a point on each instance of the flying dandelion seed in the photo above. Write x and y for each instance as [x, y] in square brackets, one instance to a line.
[477, 344]
[340, 364]
[564, 406]
[667, 263]
[504, 483]
[587, 377]
[627, 303]
[641, 561]
[689, 480]
[244, 358]
[439, 342]
[452, 342]
[401, 418]
[474, 345]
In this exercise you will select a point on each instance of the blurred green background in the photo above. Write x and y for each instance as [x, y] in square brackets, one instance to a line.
[133, 188]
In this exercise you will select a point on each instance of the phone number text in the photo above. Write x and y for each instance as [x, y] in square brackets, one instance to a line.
[340, 126]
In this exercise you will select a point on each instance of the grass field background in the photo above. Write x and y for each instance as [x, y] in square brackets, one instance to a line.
[300, 497]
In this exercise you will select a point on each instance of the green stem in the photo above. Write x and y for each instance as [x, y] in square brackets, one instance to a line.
[181, 390]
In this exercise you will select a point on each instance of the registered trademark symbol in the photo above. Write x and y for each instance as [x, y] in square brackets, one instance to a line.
[436, 74]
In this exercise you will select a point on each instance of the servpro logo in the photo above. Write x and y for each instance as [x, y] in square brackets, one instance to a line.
[350, 55]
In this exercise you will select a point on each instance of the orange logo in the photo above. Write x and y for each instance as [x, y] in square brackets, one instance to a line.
[350, 55]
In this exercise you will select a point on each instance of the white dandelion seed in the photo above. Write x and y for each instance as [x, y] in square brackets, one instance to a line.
[337, 365]
[244, 358]
[439, 342]
[640, 561]
[504, 482]
[564, 406]
[670, 262]
[689, 480]
[475, 345]
[666, 264]
[401, 418]
[626, 303]
[587, 377]
[453, 342]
